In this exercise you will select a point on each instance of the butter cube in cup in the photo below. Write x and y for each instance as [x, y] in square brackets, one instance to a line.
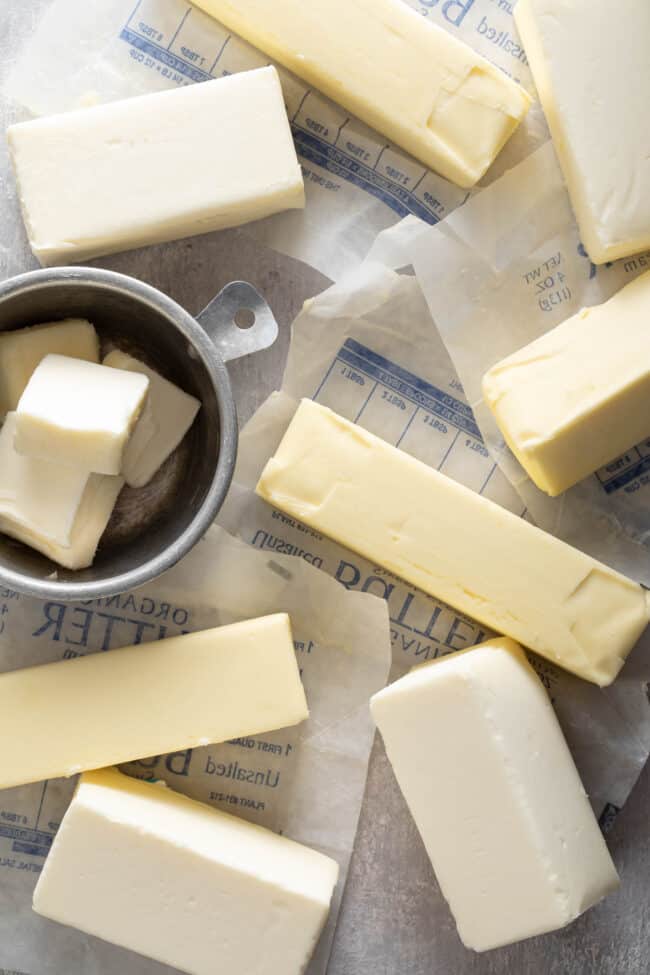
[21, 351]
[79, 414]
[59, 511]
[137, 864]
[167, 416]
[498, 801]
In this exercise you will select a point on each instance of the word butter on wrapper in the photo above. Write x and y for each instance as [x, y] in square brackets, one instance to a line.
[182, 692]
[579, 396]
[505, 820]
[454, 544]
[141, 866]
[425, 90]
[596, 107]
[155, 168]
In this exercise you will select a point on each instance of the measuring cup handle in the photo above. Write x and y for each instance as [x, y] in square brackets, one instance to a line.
[239, 321]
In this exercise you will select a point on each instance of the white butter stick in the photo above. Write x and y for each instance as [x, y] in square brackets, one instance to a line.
[156, 168]
[167, 416]
[23, 349]
[596, 115]
[59, 511]
[415, 83]
[454, 544]
[579, 396]
[79, 414]
[199, 890]
[186, 691]
[483, 765]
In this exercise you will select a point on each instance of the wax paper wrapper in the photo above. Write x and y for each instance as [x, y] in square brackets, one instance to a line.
[356, 183]
[367, 348]
[506, 268]
[306, 782]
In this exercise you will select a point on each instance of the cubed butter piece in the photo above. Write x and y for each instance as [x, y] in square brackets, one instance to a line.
[199, 890]
[579, 396]
[454, 544]
[155, 168]
[23, 349]
[167, 416]
[59, 511]
[79, 414]
[186, 691]
[484, 767]
[596, 115]
[418, 85]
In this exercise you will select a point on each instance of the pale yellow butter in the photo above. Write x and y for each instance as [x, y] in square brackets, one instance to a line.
[579, 396]
[484, 767]
[186, 691]
[157, 167]
[590, 63]
[419, 86]
[23, 349]
[454, 544]
[184, 883]
[167, 416]
[79, 414]
[59, 511]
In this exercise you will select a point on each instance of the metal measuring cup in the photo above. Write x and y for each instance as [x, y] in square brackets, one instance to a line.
[153, 527]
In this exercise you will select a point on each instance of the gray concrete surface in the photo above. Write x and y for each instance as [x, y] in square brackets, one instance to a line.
[393, 921]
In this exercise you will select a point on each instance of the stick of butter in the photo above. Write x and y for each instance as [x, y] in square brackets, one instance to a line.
[167, 416]
[596, 116]
[157, 167]
[186, 691]
[79, 414]
[579, 396]
[454, 544]
[199, 890]
[498, 801]
[23, 349]
[419, 86]
[59, 511]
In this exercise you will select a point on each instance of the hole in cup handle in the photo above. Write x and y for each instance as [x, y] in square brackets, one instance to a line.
[239, 321]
